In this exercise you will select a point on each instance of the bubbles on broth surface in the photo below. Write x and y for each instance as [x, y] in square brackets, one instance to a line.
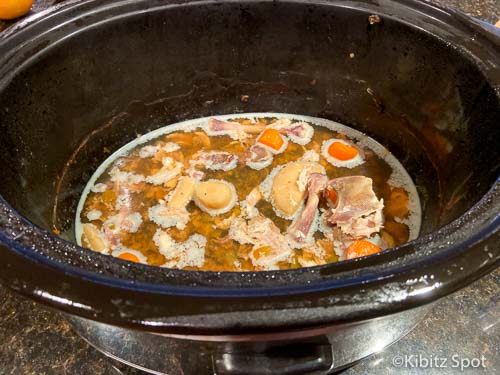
[165, 172]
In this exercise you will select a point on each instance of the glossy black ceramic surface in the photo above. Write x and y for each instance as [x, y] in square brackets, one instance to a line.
[89, 76]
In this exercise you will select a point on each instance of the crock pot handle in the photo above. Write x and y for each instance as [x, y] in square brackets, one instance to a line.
[303, 359]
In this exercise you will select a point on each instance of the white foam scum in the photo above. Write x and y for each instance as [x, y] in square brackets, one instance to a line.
[310, 156]
[169, 170]
[170, 147]
[258, 165]
[279, 124]
[148, 151]
[129, 223]
[118, 175]
[94, 215]
[181, 254]
[248, 211]
[305, 140]
[162, 216]
[99, 188]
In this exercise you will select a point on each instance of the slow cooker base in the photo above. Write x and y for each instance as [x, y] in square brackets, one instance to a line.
[320, 350]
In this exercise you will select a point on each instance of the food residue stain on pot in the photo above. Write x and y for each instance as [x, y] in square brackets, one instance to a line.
[247, 193]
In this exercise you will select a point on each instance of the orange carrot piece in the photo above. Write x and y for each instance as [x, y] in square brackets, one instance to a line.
[361, 248]
[332, 195]
[343, 152]
[130, 257]
[271, 138]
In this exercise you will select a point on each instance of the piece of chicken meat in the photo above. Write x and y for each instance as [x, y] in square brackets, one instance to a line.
[233, 129]
[299, 232]
[215, 160]
[248, 208]
[259, 157]
[358, 211]
[174, 212]
[261, 232]
[298, 132]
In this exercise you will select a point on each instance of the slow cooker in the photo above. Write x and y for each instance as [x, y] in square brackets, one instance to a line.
[85, 77]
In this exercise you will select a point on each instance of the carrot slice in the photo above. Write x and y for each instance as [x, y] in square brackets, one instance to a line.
[271, 138]
[332, 195]
[343, 152]
[361, 248]
[130, 257]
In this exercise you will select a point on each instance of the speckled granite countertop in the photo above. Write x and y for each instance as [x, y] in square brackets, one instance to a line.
[462, 327]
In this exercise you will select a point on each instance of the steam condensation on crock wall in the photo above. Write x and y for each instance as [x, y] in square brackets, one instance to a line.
[398, 178]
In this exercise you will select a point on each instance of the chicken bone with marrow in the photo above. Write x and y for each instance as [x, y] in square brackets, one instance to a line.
[357, 211]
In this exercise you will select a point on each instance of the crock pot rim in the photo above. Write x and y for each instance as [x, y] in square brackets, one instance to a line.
[236, 291]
